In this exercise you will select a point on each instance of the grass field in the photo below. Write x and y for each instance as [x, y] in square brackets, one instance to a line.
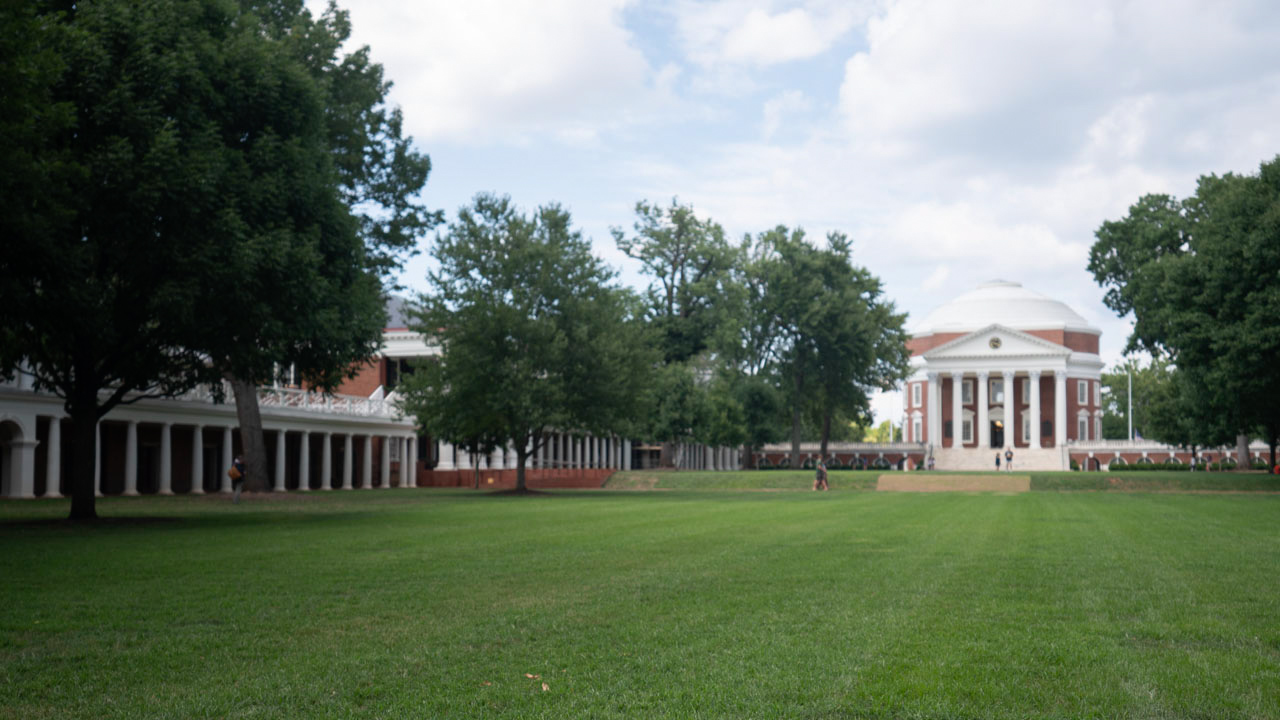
[1152, 481]
[655, 604]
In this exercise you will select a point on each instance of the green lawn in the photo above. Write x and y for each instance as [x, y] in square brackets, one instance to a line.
[1144, 481]
[656, 604]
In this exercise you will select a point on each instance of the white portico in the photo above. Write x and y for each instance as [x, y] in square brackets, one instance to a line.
[1003, 368]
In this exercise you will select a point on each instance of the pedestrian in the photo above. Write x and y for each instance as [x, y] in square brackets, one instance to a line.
[236, 473]
[997, 461]
[1008, 459]
[820, 476]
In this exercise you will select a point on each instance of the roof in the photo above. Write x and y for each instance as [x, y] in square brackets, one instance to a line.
[1000, 302]
[397, 312]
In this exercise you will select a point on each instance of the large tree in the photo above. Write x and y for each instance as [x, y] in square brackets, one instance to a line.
[191, 217]
[693, 304]
[536, 336]
[1197, 276]
[837, 338]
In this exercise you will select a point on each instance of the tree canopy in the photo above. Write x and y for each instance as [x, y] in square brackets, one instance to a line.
[1200, 278]
[196, 205]
[536, 335]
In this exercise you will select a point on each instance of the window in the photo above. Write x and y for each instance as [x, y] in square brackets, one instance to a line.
[967, 430]
[915, 394]
[997, 391]
[1082, 392]
[946, 430]
[1097, 428]
[1026, 390]
[915, 430]
[966, 391]
[1082, 430]
[1097, 394]
[1026, 427]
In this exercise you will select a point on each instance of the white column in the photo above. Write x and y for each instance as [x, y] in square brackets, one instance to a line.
[934, 416]
[197, 460]
[510, 460]
[626, 454]
[366, 477]
[957, 410]
[280, 457]
[326, 462]
[706, 458]
[227, 459]
[542, 454]
[409, 463]
[445, 455]
[573, 452]
[346, 461]
[131, 458]
[1059, 408]
[984, 422]
[166, 460]
[464, 459]
[1034, 410]
[304, 461]
[97, 459]
[386, 461]
[53, 460]
[1010, 411]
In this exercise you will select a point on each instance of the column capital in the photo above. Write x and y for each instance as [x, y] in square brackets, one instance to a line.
[983, 374]
[1059, 374]
[957, 374]
[1034, 374]
[932, 375]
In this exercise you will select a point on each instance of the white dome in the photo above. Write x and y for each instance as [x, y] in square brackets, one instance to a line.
[1004, 303]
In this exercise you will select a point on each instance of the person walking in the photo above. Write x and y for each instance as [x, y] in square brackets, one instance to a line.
[820, 477]
[1008, 459]
[236, 473]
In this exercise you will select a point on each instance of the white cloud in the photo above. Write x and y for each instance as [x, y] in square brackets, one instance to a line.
[482, 70]
[779, 107]
[753, 32]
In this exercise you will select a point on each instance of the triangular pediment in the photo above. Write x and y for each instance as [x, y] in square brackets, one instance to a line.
[997, 341]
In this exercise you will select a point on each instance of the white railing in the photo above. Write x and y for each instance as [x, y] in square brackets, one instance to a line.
[1150, 446]
[847, 447]
[291, 398]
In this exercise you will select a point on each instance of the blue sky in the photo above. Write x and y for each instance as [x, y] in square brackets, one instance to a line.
[955, 142]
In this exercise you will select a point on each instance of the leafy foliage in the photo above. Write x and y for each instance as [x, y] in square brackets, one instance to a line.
[536, 336]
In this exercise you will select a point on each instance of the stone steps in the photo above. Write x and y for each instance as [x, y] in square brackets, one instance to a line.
[984, 459]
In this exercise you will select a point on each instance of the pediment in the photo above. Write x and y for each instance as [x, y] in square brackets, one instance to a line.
[997, 341]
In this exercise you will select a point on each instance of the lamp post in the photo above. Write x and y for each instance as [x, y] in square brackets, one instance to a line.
[1130, 413]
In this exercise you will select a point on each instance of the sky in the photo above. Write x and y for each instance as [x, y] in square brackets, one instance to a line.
[953, 141]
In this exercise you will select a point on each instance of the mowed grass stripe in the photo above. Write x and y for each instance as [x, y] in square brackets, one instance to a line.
[685, 604]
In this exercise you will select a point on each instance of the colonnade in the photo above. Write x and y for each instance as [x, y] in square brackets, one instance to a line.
[403, 446]
[558, 451]
[982, 420]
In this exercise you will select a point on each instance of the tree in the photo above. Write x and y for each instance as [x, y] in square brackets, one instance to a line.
[692, 307]
[536, 336]
[187, 200]
[1196, 276]
[836, 337]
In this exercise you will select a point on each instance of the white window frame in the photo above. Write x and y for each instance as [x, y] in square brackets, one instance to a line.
[1097, 394]
[916, 430]
[1082, 392]
[1026, 390]
[1097, 428]
[1082, 428]
[997, 397]
[966, 392]
[915, 394]
[966, 429]
[1026, 427]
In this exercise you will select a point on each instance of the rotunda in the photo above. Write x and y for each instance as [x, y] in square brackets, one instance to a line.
[1003, 368]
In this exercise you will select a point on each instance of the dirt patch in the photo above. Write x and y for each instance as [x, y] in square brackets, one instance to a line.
[931, 482]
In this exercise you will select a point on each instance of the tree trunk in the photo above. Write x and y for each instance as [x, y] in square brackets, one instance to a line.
[84, 444]
[1243, 462]
[796, 401]
[521, 457]
[826, 433]
[253, 446]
